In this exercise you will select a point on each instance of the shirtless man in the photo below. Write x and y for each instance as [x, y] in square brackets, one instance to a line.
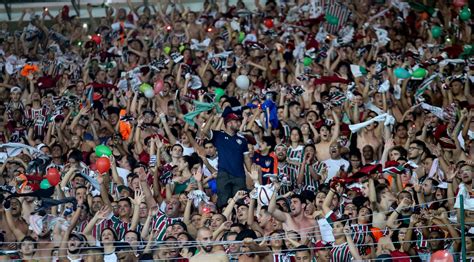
[205, 254]
[18, 221]
[194, 30]
[296, 219]
[328, 137]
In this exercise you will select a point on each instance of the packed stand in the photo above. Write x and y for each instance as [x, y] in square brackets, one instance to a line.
[310, 131]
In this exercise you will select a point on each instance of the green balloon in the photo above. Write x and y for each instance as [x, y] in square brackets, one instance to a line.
[45, 184]
[465, 14]
[143, 87]
[103, 150]
[167, 50]
[181, 48]
[420, 73]
[436, 31]
[241, 37]
[219, 93]
[307, 61]
[467, 48]
[332, 20]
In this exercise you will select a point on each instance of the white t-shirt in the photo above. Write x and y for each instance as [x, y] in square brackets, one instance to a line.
[213, 163]
[334, 166]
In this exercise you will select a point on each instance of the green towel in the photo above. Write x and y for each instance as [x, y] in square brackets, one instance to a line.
[199, 108]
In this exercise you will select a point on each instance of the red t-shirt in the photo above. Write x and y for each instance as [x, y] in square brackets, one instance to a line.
[398, 256]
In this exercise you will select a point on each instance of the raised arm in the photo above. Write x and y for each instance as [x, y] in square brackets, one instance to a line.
[272, 207]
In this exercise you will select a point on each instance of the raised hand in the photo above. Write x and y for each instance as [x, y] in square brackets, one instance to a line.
[239, 195]
[103, 213]
[139, 198]
[254, 172]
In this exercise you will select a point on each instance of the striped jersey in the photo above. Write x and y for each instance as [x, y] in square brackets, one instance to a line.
[295, 155]
[160, 222]
[279, 257]
[289, 173]
[340, 253]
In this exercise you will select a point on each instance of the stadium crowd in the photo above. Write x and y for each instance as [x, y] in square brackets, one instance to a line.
[305, 130]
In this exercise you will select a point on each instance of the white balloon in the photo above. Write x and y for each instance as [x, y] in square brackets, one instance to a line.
[149, 93]
[242, 82]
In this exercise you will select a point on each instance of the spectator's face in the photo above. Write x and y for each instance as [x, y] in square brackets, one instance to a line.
[124, 208]
[27, 248]
[303, 256]
[131, 238]
[434, 240]
[295, 110]
[323, 255]
[233, 248]
[195, 220]
[337, 230]
[216, 221]
[96, 204]
[15, 207]
[284, 206]
[143, 210]
[210, 150]
[394, 155]
[325, 133]
[135, 184]
[334, 150]
[296, 207]
[113, 119]
[414, 151]
[78, 181]
[466, 174]
[81, 194]
[280, 152]
[350, 210]
[172, 207]
[242, 213]
[177, 229]
[295, 136]
[276, 240]
[264, 218]
[204, 239]
[368, 152]
[177, 151]
[402, 132]
[428, 187]
[107, 236]
[74, 244]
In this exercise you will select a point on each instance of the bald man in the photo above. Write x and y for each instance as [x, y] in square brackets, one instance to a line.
[205, 254]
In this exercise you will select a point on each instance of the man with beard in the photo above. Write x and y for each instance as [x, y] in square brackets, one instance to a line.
[205, 253]
[295, 220]
[233, 153]
[161, 221]
[285, 171]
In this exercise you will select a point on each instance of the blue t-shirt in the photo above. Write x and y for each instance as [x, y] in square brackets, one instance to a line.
[231, 150]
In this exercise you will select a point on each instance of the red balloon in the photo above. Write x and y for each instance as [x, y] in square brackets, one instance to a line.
[96, 39]
[268, 23]
[441, 256]
[459, 3]
[102, 164]
[158, 86]
[53, 176]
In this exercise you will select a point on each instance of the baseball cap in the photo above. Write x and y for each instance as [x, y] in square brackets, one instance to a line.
[231, 116]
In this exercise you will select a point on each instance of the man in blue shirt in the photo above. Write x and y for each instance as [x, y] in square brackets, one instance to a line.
[233, 153]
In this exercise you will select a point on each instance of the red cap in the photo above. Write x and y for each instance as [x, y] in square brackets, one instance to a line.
[231, 116]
